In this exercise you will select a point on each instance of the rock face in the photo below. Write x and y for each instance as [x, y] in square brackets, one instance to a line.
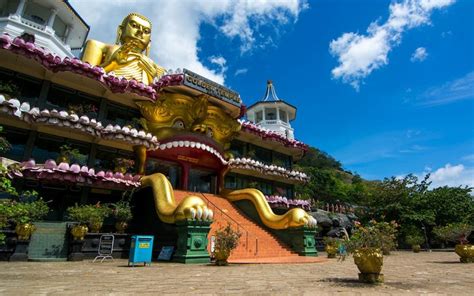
[322, 218]
[334, 224]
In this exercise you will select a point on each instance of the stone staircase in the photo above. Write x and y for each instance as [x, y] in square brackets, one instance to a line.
[256, 242]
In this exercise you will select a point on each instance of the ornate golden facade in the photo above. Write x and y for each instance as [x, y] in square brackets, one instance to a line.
[175, 113]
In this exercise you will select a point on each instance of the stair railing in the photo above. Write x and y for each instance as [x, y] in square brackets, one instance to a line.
[215, 207]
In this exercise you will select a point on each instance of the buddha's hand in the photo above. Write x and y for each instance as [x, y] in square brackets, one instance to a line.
[145, 62]
[125, 52]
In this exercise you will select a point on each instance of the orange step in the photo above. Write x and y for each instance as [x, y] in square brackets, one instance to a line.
[256, 243]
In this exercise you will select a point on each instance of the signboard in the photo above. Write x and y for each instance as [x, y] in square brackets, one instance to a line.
[166, 253]
[211, 88]
[143, 245]
[106, 244]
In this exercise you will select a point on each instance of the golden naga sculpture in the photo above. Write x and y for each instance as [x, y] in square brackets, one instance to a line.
[191, 207]
[293, 218]
[126, 57]
[173, 114]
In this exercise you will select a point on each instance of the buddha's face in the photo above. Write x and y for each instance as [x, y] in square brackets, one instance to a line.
[136, 29]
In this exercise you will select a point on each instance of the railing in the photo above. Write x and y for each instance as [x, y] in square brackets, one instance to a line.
[274, 121]
[32, 24]
[59, 41]
[216, 209]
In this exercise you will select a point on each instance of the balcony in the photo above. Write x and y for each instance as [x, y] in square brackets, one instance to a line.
[45, 36]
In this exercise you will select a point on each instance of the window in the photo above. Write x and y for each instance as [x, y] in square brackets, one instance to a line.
[17, 139]
[259, 116]
[48, 147]
[262, 154]
[122, 116]
[237, 148]
[105, 156]
[282, 160]
[171, 170]
[61, 98]
[8, 7]
[230, 182]
[270, 114]
[283, 116]
[25, 88]
[36, 13]
[59, 27]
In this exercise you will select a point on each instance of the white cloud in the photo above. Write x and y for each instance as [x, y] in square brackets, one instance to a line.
[176, 25]
[451, 91]
[358, 55]
[450, 175]
[220, 62]
[419, 55]
[241, 71]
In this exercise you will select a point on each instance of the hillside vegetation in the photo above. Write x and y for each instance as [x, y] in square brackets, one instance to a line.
[409, 201]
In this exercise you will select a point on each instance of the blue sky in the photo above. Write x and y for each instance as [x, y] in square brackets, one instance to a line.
[393, 100]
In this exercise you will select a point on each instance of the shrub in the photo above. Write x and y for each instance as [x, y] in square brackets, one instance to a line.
[88, 214]
[122, 211]
[227, 239]
[376, 235]
[454, 232]
[414, 239]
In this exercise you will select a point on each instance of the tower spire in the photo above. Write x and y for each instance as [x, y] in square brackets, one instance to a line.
[270, 94]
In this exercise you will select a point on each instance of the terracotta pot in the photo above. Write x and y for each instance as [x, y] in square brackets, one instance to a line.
[95, 226]
[466, 252]
[369, 262]
[120, 226]
[331, 251]
[416, 248]
[221, 257]
[79, 231]
[24, 230]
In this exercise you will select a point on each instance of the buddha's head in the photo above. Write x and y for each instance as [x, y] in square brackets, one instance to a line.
[135, 27]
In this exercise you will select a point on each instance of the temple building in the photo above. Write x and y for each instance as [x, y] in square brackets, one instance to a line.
[198, 164]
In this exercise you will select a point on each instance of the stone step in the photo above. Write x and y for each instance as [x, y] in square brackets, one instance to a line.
[261, 242]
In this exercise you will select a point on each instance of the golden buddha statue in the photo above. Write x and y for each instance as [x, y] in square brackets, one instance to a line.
[126, 57]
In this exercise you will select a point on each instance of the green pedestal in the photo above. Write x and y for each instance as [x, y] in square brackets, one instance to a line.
[302, 241]
[192, 241]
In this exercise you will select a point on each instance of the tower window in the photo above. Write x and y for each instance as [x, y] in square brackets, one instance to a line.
[283, 116]
[270, 113]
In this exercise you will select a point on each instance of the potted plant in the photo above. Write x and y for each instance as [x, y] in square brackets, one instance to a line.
[366, 246]
[389, 232]
[331, 246]
[415, 240]
[78, 214]
[87, 215]
[122, 212]
[122, 165]
[23, 213]
[458, 232]
[227, 239]
[67, 154]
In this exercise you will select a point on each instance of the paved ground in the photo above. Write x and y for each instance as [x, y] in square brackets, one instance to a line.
[405, 273]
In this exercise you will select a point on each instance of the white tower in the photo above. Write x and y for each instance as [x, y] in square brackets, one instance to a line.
[55, 25]
[273, 113]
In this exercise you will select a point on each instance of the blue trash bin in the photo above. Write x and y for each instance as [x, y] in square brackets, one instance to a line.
[141, 249]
